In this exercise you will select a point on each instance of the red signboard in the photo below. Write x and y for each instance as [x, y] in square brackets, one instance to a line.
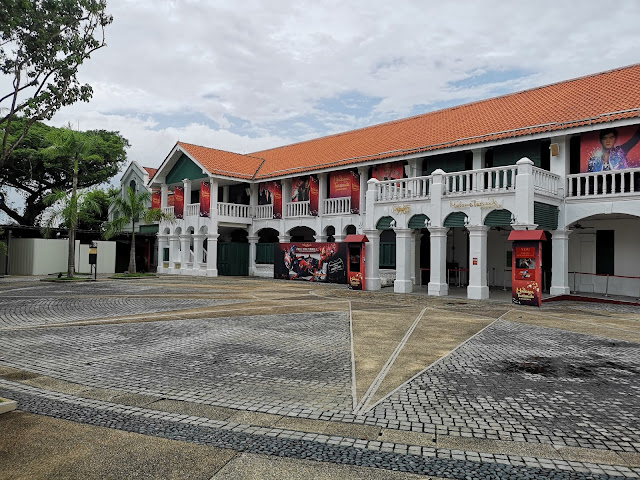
[527, 273]
[270, 193]
[178, 205]
[314, 195]
[355, 192]
[340, 184]
[205, 199]
[388, 171]
[156, 200]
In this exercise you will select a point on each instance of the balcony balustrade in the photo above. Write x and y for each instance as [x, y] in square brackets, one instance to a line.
[604, 184]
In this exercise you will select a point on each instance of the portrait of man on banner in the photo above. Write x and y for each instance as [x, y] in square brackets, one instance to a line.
[610, 149]
[300, 188]
[388, 171]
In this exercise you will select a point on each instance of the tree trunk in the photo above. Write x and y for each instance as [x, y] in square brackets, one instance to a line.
[74, 222]
[132, 252]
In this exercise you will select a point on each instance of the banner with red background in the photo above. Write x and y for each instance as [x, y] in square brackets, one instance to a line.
[270, 193]
[205, 199]
[527, 273]
[178, 202]
[621, 145]
[355, 192]
[156, 200]
[314, 195]
[388, 171]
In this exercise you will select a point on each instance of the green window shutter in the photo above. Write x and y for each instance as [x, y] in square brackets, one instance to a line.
[504, 155]
[498, 218]
[545, 216]
[264, 253]
[418, 221]
[455, 219]
[388, 254]
[451, 162]
[149, 228]
[384, 223]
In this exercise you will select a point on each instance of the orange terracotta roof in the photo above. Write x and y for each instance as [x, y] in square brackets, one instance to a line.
[223, 163]
[151, 171]
[590, 100]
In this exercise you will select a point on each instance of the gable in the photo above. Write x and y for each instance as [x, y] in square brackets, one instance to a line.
[184, 168]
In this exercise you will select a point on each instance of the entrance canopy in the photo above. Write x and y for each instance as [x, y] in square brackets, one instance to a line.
[356, 239]
[530, 235]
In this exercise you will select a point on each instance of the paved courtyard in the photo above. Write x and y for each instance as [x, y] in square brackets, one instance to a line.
[402, 386]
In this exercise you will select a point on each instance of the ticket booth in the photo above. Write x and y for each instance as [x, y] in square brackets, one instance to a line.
[526, 266]
[355, 261]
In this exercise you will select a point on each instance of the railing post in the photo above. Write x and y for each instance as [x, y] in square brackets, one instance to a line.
[524, 192]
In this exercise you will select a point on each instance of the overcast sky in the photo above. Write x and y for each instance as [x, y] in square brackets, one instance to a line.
[247, 75]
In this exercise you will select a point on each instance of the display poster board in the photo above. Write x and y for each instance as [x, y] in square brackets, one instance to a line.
[300, 189]
[346, 183]
[312, 262]
[388, 171]
[610, 149]
[178, 202]
[527, 273]
[355, 192]
[314, 195]
[156, 200]
[205, 199]
[270, 193]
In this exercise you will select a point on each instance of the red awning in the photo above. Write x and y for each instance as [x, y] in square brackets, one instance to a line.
[530, 235]
[356, 239]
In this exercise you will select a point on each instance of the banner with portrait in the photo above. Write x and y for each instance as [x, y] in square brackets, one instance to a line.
[156, 200]
[610, 149]
[314, 195]
[388, 171]
[205, 199]
[270, 193]
[178, 202]
[300, 189]
[311, 262]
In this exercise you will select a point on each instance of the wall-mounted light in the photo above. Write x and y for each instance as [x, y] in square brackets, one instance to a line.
[427, 222]
[392, 224]
[513, 219]
[555, 149]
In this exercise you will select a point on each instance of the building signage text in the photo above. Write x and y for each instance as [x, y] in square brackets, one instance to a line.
[493, 203]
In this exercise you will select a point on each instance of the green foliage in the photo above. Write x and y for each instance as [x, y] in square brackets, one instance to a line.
[42, 45]
[62, 210]
[36, 168]
[128, 209]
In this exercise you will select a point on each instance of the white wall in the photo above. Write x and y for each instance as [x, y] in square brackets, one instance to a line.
[497, 248]
[106, 258]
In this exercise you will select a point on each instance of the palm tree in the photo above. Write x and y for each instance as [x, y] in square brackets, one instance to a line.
[128, 209]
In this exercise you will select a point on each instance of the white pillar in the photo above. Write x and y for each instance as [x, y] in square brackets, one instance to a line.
[164, 195]
[478, 288]
[438, 280]
[163, 242]
[364, 173]
[212, 254]
[524, 193]
[185, 251]
[198, 250]
[416, 242]
[339, 236]
[560, 262]
[253, 199]
[286, 196]
[320, 238]
[225, 194]
[322, 192]
[253, 240]
[414, 167]
[186, 183]
[403, 283]
[284, 238]
[478, 158]
[372, 260]
[174, 253]
[213, 200]
[371, 203]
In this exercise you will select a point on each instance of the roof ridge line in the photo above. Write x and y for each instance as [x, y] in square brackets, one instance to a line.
[220, 150]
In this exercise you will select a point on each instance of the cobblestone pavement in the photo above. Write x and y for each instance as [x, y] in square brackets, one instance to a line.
[513, 382]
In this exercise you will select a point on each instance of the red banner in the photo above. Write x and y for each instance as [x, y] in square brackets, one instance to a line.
[156, 200]
[314, 195]
[277, 199]
[527, 273]
[355, 192]
[340, 185]
[205, 199]
[388, 171]
[178, 202]
[300, 188]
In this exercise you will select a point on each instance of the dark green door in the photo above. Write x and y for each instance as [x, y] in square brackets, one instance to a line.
[233, 259]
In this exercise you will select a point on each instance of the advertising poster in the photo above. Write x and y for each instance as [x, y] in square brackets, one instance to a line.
[270, 193]
[178, 202]
[527, 273]
[156, 200]
[314, 195]
[355, 192]
[205, 199]
[300, 189]
[388, 171]
[610, 149]
[312, 262]
[340, 185]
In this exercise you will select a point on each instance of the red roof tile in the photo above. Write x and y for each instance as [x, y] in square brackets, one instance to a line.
[151, 171]
[223, 163]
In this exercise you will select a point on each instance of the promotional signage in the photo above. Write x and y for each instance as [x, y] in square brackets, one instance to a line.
[178, 202]
[270, 193]
[610, 149]
[388, 171]
[526, 267]
[313, 262]
[156, 200]
[205, 199]
[356, 265]
[346, 184]
[314, 195]
[300, 188]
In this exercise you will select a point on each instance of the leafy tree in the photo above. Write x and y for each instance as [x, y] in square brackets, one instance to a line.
[42, 45]
[131, 208]
[35, 170]
[93, 209]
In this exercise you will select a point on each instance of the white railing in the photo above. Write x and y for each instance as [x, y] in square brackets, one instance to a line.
[545, 182]
[233, 210]
[297, 209]
[403, 189]
[497, 179]
[600, 184]
[263, 211]
[337, 206]
[167, 210]
[192, 210]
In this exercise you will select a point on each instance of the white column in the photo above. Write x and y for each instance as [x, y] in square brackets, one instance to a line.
[560, 262]
[320, 238]
[416, 242]
[339, 236]
[438, 280]
[478, 158]
[414, 167]
[364, 173]
[372, 259]
[284, 238]
[253, 240]
[174, 253]
[478, 288]
[163, 242]
[524, 193]
[198, 250]
[371, 203]
[213, 200]
[185, 252]
[403, 283]
[286, 195]
[322, 192]
[225, 194]
[212, 254]
[187, 194]
[164, 195]
[253, 199]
